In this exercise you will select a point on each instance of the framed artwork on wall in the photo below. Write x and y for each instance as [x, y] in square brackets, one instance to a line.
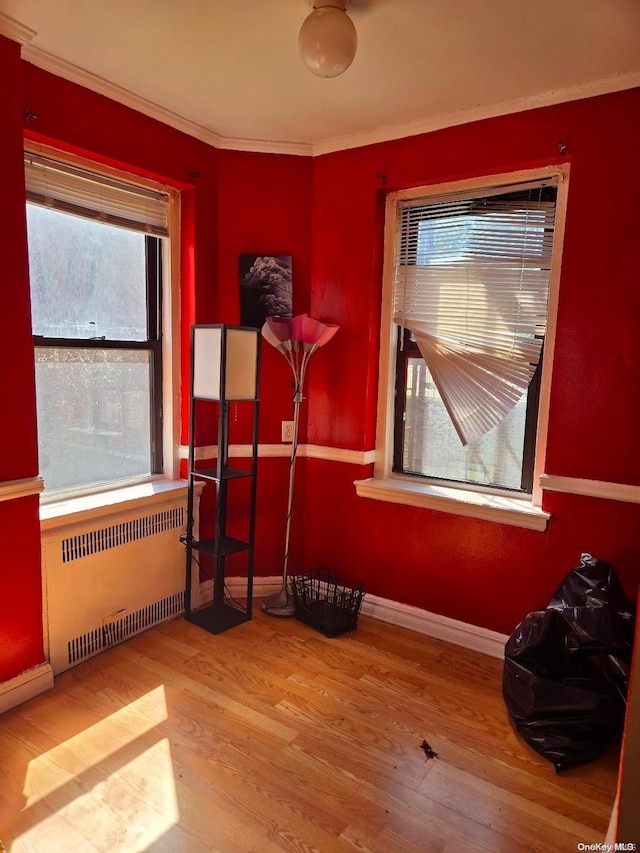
[265, 288]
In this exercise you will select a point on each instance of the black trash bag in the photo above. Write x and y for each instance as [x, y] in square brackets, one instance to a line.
[566, 668]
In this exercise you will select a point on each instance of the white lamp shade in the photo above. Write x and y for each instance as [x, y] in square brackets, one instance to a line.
[239, 346]
[328, 41]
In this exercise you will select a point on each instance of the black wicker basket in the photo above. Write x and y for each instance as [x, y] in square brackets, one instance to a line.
[324, 603]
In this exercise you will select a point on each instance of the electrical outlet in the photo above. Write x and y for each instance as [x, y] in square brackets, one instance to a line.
[287, 431]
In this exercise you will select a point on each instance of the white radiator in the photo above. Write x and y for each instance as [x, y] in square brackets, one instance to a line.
[112, 576]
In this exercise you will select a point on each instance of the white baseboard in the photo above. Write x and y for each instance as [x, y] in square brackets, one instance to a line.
[402, 615]
[433, 625]
[25, 686]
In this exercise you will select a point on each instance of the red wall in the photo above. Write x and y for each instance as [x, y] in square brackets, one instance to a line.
[264, 208]
[481, 572]
[20, 588]
[328, 213]
[17, 389]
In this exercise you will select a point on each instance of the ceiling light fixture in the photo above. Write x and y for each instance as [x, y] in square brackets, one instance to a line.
[328, 38]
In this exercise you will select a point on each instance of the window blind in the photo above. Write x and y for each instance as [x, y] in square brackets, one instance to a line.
[79, 191]
[471, 284]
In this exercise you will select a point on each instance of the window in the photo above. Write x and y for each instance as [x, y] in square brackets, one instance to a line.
[96, 260]
[469, 271]
[471, 291]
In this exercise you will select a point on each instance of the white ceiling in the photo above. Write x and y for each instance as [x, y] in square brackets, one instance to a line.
[229, 72]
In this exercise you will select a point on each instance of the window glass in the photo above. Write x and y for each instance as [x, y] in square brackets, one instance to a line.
[93, 415]
[95, 293]
[431, 446]
[87, 278]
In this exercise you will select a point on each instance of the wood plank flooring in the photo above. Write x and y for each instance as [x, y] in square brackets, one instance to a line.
[271, 737]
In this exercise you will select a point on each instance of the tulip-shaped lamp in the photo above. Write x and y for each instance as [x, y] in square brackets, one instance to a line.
[297, 340]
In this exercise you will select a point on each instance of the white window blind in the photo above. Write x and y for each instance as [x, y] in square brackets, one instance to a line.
[79, 191]
[471, 284]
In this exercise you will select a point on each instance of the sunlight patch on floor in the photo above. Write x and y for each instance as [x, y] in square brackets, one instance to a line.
[112, 782]
[94, 745]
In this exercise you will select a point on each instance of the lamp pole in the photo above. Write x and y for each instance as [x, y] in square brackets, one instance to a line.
[297, 339]
[281, 603]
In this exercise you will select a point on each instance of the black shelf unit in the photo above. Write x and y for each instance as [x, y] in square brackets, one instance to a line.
[225, 366]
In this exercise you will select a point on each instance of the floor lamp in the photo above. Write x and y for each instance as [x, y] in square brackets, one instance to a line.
[297, 340]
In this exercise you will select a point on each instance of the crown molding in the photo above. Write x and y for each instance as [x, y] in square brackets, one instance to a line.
[604, 86]
[75, 74]
[266, 146]
[15, 31]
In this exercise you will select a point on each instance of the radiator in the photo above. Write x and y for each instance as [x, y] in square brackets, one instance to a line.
[109, 578]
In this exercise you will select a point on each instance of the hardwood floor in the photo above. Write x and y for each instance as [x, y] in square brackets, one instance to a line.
[271, 737]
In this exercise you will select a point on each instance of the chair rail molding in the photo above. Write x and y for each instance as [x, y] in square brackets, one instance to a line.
[309, 451]
[591, 488]
[12, 489]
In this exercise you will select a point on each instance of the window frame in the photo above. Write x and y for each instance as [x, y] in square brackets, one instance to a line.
[162, 255]
[461, 498]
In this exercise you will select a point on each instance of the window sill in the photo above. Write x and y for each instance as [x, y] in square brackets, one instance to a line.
[62, 512]
[518, 512]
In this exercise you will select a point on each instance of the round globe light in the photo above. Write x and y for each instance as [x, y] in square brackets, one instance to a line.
[328, 41]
